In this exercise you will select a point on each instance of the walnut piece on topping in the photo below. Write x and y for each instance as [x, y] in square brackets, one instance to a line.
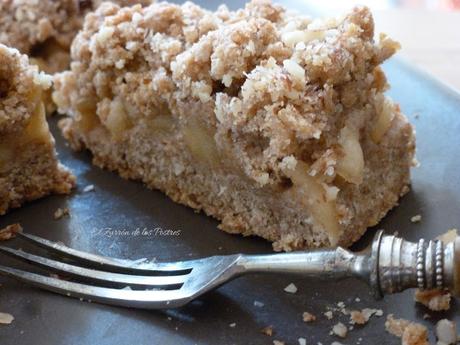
[10, 231]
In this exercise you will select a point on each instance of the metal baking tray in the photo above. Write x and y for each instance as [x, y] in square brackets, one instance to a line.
[124, 219]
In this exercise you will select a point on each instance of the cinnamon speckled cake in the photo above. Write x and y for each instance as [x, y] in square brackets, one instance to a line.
[29, 168]
[273, 123]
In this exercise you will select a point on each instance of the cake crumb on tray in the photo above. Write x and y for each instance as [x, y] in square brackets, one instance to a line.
[10, 231]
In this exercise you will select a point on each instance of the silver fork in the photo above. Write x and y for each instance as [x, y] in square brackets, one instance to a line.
[389, 265]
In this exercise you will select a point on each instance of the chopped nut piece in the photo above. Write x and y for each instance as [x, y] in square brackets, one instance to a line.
[6, 319]
[61, 212]
[446, 332]
[291, 288]
[340, 330]
[411, 333]
[10, 231]
[267, 330]
[435, 299]
[307, 317]
[416, 219]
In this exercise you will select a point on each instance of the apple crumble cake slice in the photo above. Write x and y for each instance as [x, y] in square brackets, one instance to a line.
[274, 124]
[45, 29]
[28, 165]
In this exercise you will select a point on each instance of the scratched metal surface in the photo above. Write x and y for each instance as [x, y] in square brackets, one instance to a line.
[43, 318]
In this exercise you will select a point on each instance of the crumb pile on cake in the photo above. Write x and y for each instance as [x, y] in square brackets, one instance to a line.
[271, 122]
[29, 168]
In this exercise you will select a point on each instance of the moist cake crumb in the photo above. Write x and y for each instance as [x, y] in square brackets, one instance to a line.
[302, 341]
[446, 332]
[363, 316]
[10, 231]
[267, 330]
[340, 330]
[435, 300]
[329, 315]
[61, 212]
[411, 333]
[6, 319]
[308, 317]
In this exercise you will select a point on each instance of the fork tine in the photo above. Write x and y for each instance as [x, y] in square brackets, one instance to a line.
[110, 264]
[166, 282]
[145, 299]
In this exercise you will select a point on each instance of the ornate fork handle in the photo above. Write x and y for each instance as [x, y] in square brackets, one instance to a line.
[390, 265]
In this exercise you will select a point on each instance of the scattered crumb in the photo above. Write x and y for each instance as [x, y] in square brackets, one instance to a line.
[340, 330]
[357, 299]
[446, 332]
[449, 236]
[308, 317]
[6, 319]
[61, 212]
[258, 304]
[291, 288]
[336, 343]
[267, 330]
[88, 188]
[10, 231]
[416, 219]
[362, 317]
[435, 299]
[411, 333]
[328, 315]
[277, 342]
[302, 341]
[232, 325]
[426, 316]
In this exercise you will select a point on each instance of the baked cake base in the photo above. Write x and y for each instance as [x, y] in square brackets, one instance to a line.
[29, 168]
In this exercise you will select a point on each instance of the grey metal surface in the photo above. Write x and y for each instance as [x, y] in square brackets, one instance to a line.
[106, 221]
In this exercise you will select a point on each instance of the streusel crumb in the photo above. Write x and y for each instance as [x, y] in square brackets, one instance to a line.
[10, 231]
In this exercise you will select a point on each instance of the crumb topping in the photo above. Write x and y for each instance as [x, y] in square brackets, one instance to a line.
[20, 89]
[275, 85]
